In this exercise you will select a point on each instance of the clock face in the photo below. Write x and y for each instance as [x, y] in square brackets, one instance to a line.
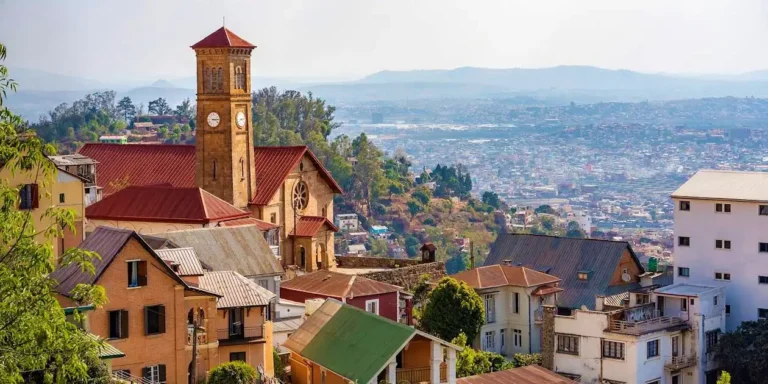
[213, 119]
[240, 119]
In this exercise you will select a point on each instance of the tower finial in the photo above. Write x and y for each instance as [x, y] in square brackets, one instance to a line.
[223, 21]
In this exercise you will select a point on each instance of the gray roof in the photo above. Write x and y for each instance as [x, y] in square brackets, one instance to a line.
[683, 290]
[236, 290]
[186, 258]
[241, 249]
[564, 258]
[73, 159]
[725, 185]
[287, 325]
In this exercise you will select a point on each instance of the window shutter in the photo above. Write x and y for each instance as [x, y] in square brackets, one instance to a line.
[161, 368]
[146, 320]
[161, 309]
[123, 324]
[142, 273]
[145, 373]
[35, 197]
[130, 269]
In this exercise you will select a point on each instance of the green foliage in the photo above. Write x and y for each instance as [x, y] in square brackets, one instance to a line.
[725, 378]
[159, 107]
[451, 181]
[378, 247]
[412, 245]
[279, 366]
[453, 308]
[37, 343]
[457, 263]
[525, 359]
[422, 194]
[545, 209]
[234, 372]
[185, 110]
[743, 354]
[574, 231]
[547, 222]
[470, 362]
[414, 207]
[126, 109]
[492, 199]
[84, 121]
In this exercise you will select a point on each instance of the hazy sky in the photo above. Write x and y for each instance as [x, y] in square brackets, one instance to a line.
[150, 39]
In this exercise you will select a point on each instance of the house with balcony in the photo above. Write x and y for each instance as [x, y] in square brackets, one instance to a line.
[347, 222]
[514, 298]
[339, 343]
[663, 335]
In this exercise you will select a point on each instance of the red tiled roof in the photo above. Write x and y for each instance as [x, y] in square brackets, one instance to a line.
[223, 37]
[503, 275]
[122, 165]
[337, 285]
[309, 225]
[260, 224]
[163, 204]
[273, 164]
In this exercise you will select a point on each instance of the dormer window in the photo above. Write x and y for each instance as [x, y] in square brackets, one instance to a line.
[583, 275]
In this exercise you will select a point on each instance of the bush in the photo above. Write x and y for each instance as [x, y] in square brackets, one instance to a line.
[234, 372]
[279, 367]
[525, 359]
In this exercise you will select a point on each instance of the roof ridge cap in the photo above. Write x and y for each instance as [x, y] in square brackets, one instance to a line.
[202, 202]
[349, 285]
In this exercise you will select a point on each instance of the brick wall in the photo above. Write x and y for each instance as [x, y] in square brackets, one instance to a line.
[374, 262]
[407, 277]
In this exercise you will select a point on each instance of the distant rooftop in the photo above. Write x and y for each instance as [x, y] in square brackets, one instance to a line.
[683, 290]
[725, 185]
[74, 159]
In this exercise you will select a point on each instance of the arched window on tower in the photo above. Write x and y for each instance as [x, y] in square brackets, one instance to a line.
[214, 169]
[207, 81]
[242, 169]
[220, 81]
[239, 78]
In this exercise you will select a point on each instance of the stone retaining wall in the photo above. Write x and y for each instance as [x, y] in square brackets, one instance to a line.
[374, 262]
[408, 277]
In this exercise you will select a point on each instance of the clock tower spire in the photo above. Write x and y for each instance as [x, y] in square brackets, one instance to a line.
[224, 143]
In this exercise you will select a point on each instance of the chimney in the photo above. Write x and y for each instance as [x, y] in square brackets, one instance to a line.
[548, 337]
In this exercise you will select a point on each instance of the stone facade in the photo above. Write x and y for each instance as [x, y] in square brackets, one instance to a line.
[548, 337]
[408, 277]
[374, 262]
[224, 152]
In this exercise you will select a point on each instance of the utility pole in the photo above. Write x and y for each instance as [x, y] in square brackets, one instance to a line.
[471, 255]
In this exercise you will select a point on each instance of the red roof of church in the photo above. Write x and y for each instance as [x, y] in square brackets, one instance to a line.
[122, 165]
[223, 37]
[309, 225]
[164, 204]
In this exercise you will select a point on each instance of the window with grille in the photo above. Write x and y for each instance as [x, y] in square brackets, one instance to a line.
[763, 210]
[613, 349]
[652, 349]
[518, 337]
[683, 271]
[722, 276]
[568, 344]
[490, 341]
[712, 338]
[723, 208]
[723, 244]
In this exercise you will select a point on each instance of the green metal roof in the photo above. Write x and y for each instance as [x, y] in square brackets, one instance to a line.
[349, 341]
[106, 350]
[82, 308]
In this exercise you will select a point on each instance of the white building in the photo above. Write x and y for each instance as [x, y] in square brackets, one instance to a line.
[583, 219]
[347, 221]
[666, 336]
[721, 238]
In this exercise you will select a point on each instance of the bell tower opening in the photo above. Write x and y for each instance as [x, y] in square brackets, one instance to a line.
[224, 143]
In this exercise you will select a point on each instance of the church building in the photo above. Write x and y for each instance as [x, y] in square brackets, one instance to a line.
[287, 187]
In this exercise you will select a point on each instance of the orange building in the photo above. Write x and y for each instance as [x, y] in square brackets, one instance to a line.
[155, 300]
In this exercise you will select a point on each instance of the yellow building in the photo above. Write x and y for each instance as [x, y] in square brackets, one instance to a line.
[65, 190]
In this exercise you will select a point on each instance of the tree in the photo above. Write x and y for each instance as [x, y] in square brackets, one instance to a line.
[545, 209]
[422, 194]
[492, 199]
[725, 378]
[453, 308]
[126, 109]
[185, 110]
[232, 372]
[743, 354]
[412, 246]
[574, 231]
[414, 207]
[159, 107]
[37, 343]
[279, 366]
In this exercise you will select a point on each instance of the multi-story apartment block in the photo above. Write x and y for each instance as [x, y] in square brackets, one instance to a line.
[513, 297]
[721, 239]
[665, 336]
[347, 221]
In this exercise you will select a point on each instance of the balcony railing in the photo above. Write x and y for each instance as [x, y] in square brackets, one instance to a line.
[538, 316]
[202, 337]
[420, 375]
[122, 377]
[644, 326]
[674, 363]
[237, 331]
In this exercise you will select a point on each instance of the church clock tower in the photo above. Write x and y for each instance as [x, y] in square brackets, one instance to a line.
[224, 154]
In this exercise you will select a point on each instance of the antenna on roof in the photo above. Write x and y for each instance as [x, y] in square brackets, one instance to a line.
[223, 21]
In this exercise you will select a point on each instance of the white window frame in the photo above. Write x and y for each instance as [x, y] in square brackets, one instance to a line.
[368, 306]
[490, 310]
[518, 337]
[154, 374]
[725, 245]
[658, 349]
[490, 341]
[722, 276]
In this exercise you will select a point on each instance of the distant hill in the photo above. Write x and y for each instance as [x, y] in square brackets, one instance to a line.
[31, 79]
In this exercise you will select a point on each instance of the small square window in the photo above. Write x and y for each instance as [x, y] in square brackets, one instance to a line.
[719, 244]
[718, 207]
[727, 208]
[61, 198]
[154, 320]
[237, 356]
[763, 210]
[685, 205]
[652, 349]
[727, 309]
[684, 241]
[763, 247]
[683, 271]
[762, 279]
[722, 276]
[583, 276]
[727, 244]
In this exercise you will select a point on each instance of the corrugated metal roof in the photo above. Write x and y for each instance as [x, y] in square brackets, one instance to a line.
[260, 224]
[73, 159]
[309, 225]
[337, 285]
[236, 290]
[503, 275]
[532, 374]
[566, 256]
[189, 265]
[241, 249]
[164, 204]
[223, 38]
[349, 341]
[106, 350]
[725, 185]
[273, 164]
[287, 325]
[122, 165]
